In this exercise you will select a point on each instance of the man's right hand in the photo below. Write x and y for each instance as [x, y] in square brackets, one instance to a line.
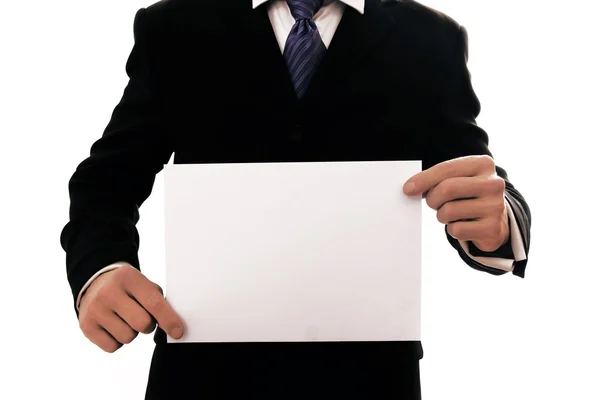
[121, 303]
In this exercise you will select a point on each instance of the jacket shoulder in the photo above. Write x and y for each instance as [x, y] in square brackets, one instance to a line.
[420, 13]
[433, 28]
[177, 16]
[163, 6]
[205, 8]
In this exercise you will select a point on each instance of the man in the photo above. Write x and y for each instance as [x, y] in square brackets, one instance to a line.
[296, 81]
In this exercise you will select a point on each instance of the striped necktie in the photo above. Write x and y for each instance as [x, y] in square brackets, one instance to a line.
[304, 48]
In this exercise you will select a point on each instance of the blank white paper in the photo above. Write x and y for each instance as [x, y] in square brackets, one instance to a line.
[272, 252]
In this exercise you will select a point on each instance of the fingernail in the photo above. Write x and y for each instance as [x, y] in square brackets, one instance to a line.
[177, 332]
[409, 188]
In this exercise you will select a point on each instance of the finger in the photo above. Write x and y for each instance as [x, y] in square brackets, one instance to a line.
[150, 297]
[135, 315]
[455, 189]
[466, 188]
[117, 328]
[471, 230]
[458, 167]
[101, 338]
[459, 210]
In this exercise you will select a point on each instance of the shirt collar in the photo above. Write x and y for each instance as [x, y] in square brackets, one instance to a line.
[358, 5]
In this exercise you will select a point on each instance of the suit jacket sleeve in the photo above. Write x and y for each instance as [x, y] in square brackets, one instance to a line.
[456, 134]
[107, 188]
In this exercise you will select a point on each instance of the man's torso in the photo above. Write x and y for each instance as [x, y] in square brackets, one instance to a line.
[227, 96]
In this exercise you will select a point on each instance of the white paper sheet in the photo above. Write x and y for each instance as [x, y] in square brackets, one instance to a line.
[293, 251]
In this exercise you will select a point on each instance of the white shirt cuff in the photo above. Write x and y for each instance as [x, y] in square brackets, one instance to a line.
[97, 274]
[518, 247]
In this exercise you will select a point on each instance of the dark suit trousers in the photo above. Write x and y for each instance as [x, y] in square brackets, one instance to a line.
[277, 371]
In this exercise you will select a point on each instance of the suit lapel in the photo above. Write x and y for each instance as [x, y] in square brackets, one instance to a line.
[266, 55]
[356, 35]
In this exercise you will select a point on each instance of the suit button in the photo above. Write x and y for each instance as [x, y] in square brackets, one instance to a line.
[297, 133]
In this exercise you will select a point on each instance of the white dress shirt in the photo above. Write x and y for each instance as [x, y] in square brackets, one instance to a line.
[327, 20]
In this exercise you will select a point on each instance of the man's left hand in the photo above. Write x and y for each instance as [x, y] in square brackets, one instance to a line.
[468, 196]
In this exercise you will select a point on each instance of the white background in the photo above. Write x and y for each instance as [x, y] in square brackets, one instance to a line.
[534, 66]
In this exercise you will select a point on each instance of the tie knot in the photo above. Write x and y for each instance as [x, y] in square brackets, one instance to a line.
[304, 9]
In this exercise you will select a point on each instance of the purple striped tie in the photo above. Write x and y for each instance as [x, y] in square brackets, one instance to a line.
[304, 48]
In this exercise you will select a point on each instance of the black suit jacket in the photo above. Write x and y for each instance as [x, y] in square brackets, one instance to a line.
[208, 83]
